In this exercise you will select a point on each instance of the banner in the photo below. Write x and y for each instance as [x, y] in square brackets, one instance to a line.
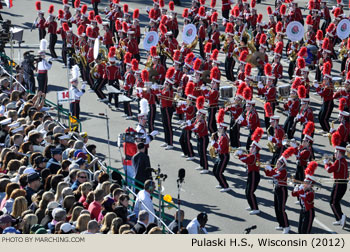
[295, 31]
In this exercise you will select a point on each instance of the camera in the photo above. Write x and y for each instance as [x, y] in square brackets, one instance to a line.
[130, 137]
[30, 57]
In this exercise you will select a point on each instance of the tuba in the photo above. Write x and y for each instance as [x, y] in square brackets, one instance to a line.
[193, 44]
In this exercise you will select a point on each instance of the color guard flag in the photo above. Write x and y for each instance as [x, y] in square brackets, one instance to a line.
[9, 3]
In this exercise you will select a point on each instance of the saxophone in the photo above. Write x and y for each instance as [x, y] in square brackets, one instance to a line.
[330, 134]
[226, 46]
[271, 39]
[270, 144]
[212, 151]
[342, 52]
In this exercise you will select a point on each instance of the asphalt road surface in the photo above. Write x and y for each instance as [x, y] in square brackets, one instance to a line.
[226, 211]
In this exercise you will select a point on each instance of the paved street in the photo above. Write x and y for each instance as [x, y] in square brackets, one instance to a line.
[226, 211]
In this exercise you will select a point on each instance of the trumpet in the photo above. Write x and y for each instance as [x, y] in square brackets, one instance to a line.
[324, 157]
[292, 181]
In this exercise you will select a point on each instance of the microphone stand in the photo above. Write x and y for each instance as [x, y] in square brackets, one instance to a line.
[179, 182]
[160, 177]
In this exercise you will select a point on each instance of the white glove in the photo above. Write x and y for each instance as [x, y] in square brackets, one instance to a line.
[260, 85]
[83, 86]
[240, 118]
[154, 86]
[96, 74]
[332, 130]
[236, 49]
[325, 161]
[236, 33]
[294, 145]
[232, 1]
[296, 188]
[183, 103]
[212, 142]
[268, 167]
[182, 49]
[293, 47]
[298, 116]
[106, 9]
[270, 138]
[154, 133]
[147, 9]
[316, 85]
[188, 122]
[239, 152]
[203, 87]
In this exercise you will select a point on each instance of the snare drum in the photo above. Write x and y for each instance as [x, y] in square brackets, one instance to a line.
[284, 90]
[226, 92]
[337, 81]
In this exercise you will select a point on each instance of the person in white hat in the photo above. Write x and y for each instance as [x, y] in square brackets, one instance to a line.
[199, 126]
[222, 147]
[279, 175]
[75, 92]
[306, 196]
[43, 67]
[40, 21]
[339, 168]
[251, 120]
[252, 160]
[141, 126]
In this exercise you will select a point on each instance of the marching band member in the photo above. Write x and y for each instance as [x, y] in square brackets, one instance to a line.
[201, 129]
[339, 168]
[43, 67]
[166, 100]
[326, 92]
[129, 82]
[306, 196]
[344, 126]
[108, 36]
[306, 113]
[100, 78]
[228, 49]
[236, 110]
[252, 160]
[344, 93]
[202, 31]
[136, 25]
[252, 118]
[292, 107]
[76, 93]
[190, 111]
[141, 127]
[213, 98]
[277, 139]
[215, 35]
[150, 96]
[51, 25]
[303, 155]
[279, 175]
[269, 90]
[222, 147]
[113, 74]
[157, 67]
[40, 21]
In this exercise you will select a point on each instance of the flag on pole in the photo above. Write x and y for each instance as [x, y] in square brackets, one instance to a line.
[9, 3]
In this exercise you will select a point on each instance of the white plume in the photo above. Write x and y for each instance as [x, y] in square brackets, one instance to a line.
[144, 106]
[43, 45]
[75, 72]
